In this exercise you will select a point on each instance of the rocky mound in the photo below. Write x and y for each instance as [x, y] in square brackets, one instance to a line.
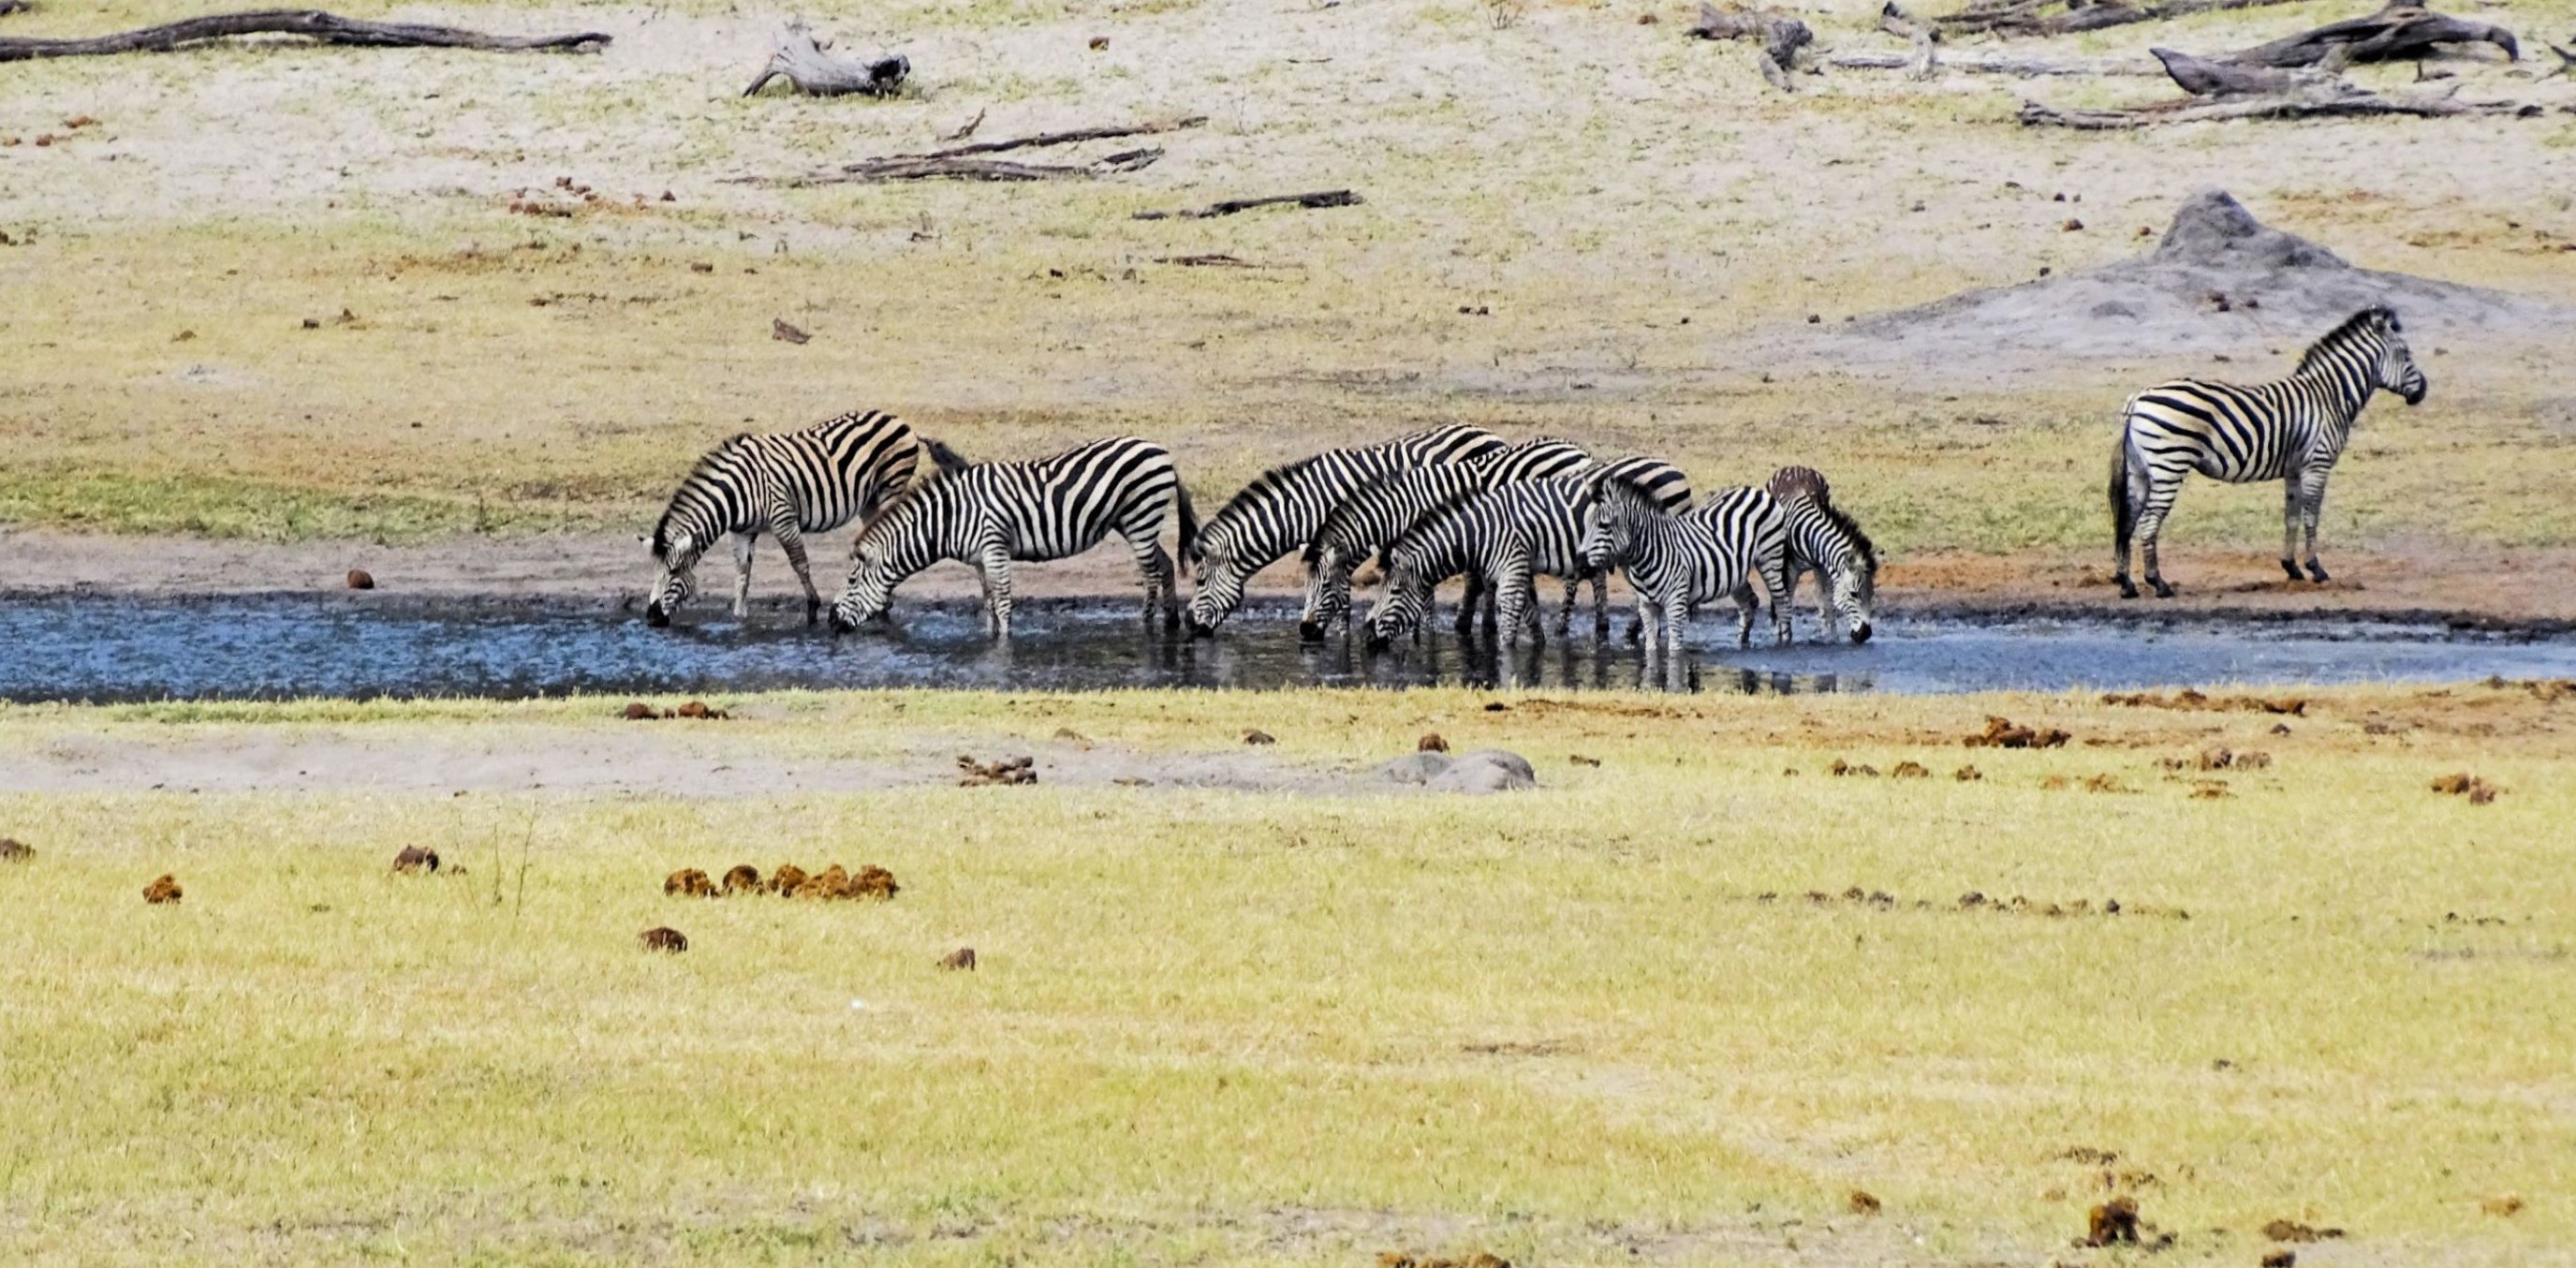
[2219, 281]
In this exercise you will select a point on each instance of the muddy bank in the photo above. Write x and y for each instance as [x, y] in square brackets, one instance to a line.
[2483, 588]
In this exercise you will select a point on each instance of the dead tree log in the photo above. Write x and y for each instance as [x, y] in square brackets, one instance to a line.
[312, 24]
[2566, 62]
[967, 162]
[1325, 198]
[2193, 110]
[2020, 67]
[1781, 35]
[2224, 79]
[2067, 17]
[2392, 34]
[804, 61]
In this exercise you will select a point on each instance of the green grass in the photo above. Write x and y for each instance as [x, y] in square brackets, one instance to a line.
[1254, 1027]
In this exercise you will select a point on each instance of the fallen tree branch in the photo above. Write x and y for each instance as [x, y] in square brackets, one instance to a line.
[1781, 35]
[2392, 34]
[1325, 198]
[2023, 67]
[966, 162]
[2032, 17]
[2225, 79]
[2566, 62]
[312, 24]
[2191, 110]
[803, 61]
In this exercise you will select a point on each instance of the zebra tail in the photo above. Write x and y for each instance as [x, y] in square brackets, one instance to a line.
[943, 457]
[1189, 522]
[2123, 517]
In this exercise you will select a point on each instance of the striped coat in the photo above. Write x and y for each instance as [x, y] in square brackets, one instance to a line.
[1379, 511]
[993, 514]
[788, 484]
[1507, 534]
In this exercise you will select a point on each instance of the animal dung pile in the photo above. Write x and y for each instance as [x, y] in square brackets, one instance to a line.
[664, 938]
[1843, 768]
[1431, 742]
[1408, 1259]
[361, 579]
[2478, 791]
[2218, 758]
[2003, 733]
[416, 858]
[1976, 900]
[2114, 1223]
[1863, 1202]
[1967, 774]
[2294, 1231]
[1009, 770]
[791, 881]
[163, 890]
[1259, 736]
[2193, 701]
[13, 850]
[1911, 770]
[2505, 1207]
[696, 710]
[961, 958]
[2282, 1258]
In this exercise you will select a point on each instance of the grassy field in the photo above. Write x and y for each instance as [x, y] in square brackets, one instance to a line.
[1599, 1022]
[1575, 224]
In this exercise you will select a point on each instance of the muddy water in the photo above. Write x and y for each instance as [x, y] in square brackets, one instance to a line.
[108, 650]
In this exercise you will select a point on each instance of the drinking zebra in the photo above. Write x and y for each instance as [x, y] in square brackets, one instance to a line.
[2291, 430]
[1506, 534]
[786, 484]
[991, 514]
[1283, 507]
[1722, 548]
[1380, 510]
[1827, 542]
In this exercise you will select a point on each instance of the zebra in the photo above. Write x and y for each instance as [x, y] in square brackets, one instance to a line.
[1827, 542]
[1675, 562]
[1506, 534]
[2291, 430]
[1380, 510]
[1281, 509]
[786, 484]
[990, 514]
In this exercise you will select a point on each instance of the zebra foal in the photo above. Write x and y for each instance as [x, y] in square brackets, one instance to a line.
[991, 514]
[786, 484]
[1283, 507]
[2291, 430]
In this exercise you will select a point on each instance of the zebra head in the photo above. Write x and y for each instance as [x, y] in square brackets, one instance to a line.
[2396, 368]
[1219, 590]
[1855, 591]
[876, 566]
[676, 576]
[1328, 594]
[1402, 608]
[1615, 512]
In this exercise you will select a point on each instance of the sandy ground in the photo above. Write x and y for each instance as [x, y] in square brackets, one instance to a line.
[674, 759]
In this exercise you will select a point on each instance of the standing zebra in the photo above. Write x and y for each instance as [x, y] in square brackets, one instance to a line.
[1673, 562]
[1506, 534]
[787, 484]
[1380, 510]
[1827, 542]
[993, 513]
[1281, 509]
[1753, 524]
[2291, 430]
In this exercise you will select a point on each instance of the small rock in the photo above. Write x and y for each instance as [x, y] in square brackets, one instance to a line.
[784, 333]
[1484, 771]
[361, 579]
[1099, 43]
[664, 938]
[701, 266]
[1415, 767]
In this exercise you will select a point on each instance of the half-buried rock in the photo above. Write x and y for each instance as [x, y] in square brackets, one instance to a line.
[1483, 771]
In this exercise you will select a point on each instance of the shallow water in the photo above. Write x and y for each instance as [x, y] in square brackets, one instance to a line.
[114, 649]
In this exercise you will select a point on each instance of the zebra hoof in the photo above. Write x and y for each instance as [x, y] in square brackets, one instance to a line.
[2317, 571]
[656, 617]
[2163, 591]
[2128, 588]
[2291, 567]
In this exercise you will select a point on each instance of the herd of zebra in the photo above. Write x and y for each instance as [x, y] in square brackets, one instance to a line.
[1457, 501]
[1452, 501]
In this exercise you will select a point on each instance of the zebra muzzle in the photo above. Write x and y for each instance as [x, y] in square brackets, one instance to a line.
[1860, 632]
[656, 615]
[1310, 631]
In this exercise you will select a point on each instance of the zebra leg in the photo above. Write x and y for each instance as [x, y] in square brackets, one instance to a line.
[1601, 606]
[1775, 586]
[2290, 501]
[1156, 569]
[997, 591]
[2151, 524]
[1744, 606]
[793, 542]
[742, 543]
[2314, 488]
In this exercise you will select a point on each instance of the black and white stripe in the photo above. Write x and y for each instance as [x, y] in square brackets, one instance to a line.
[1507, 535]
[787, 485]
[1380, 510]
[1281, 510]
[1829, 543]
[1724, 548]
[2291, 430]
[991, 514]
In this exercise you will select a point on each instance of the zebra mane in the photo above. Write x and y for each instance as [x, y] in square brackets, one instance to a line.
[2380, 315]
[706, 464]
[1236, 507]
[1850, 528]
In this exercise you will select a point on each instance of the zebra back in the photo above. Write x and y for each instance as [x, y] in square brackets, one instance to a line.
[1661, 482]
[1534, 460]
[1044, 508]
